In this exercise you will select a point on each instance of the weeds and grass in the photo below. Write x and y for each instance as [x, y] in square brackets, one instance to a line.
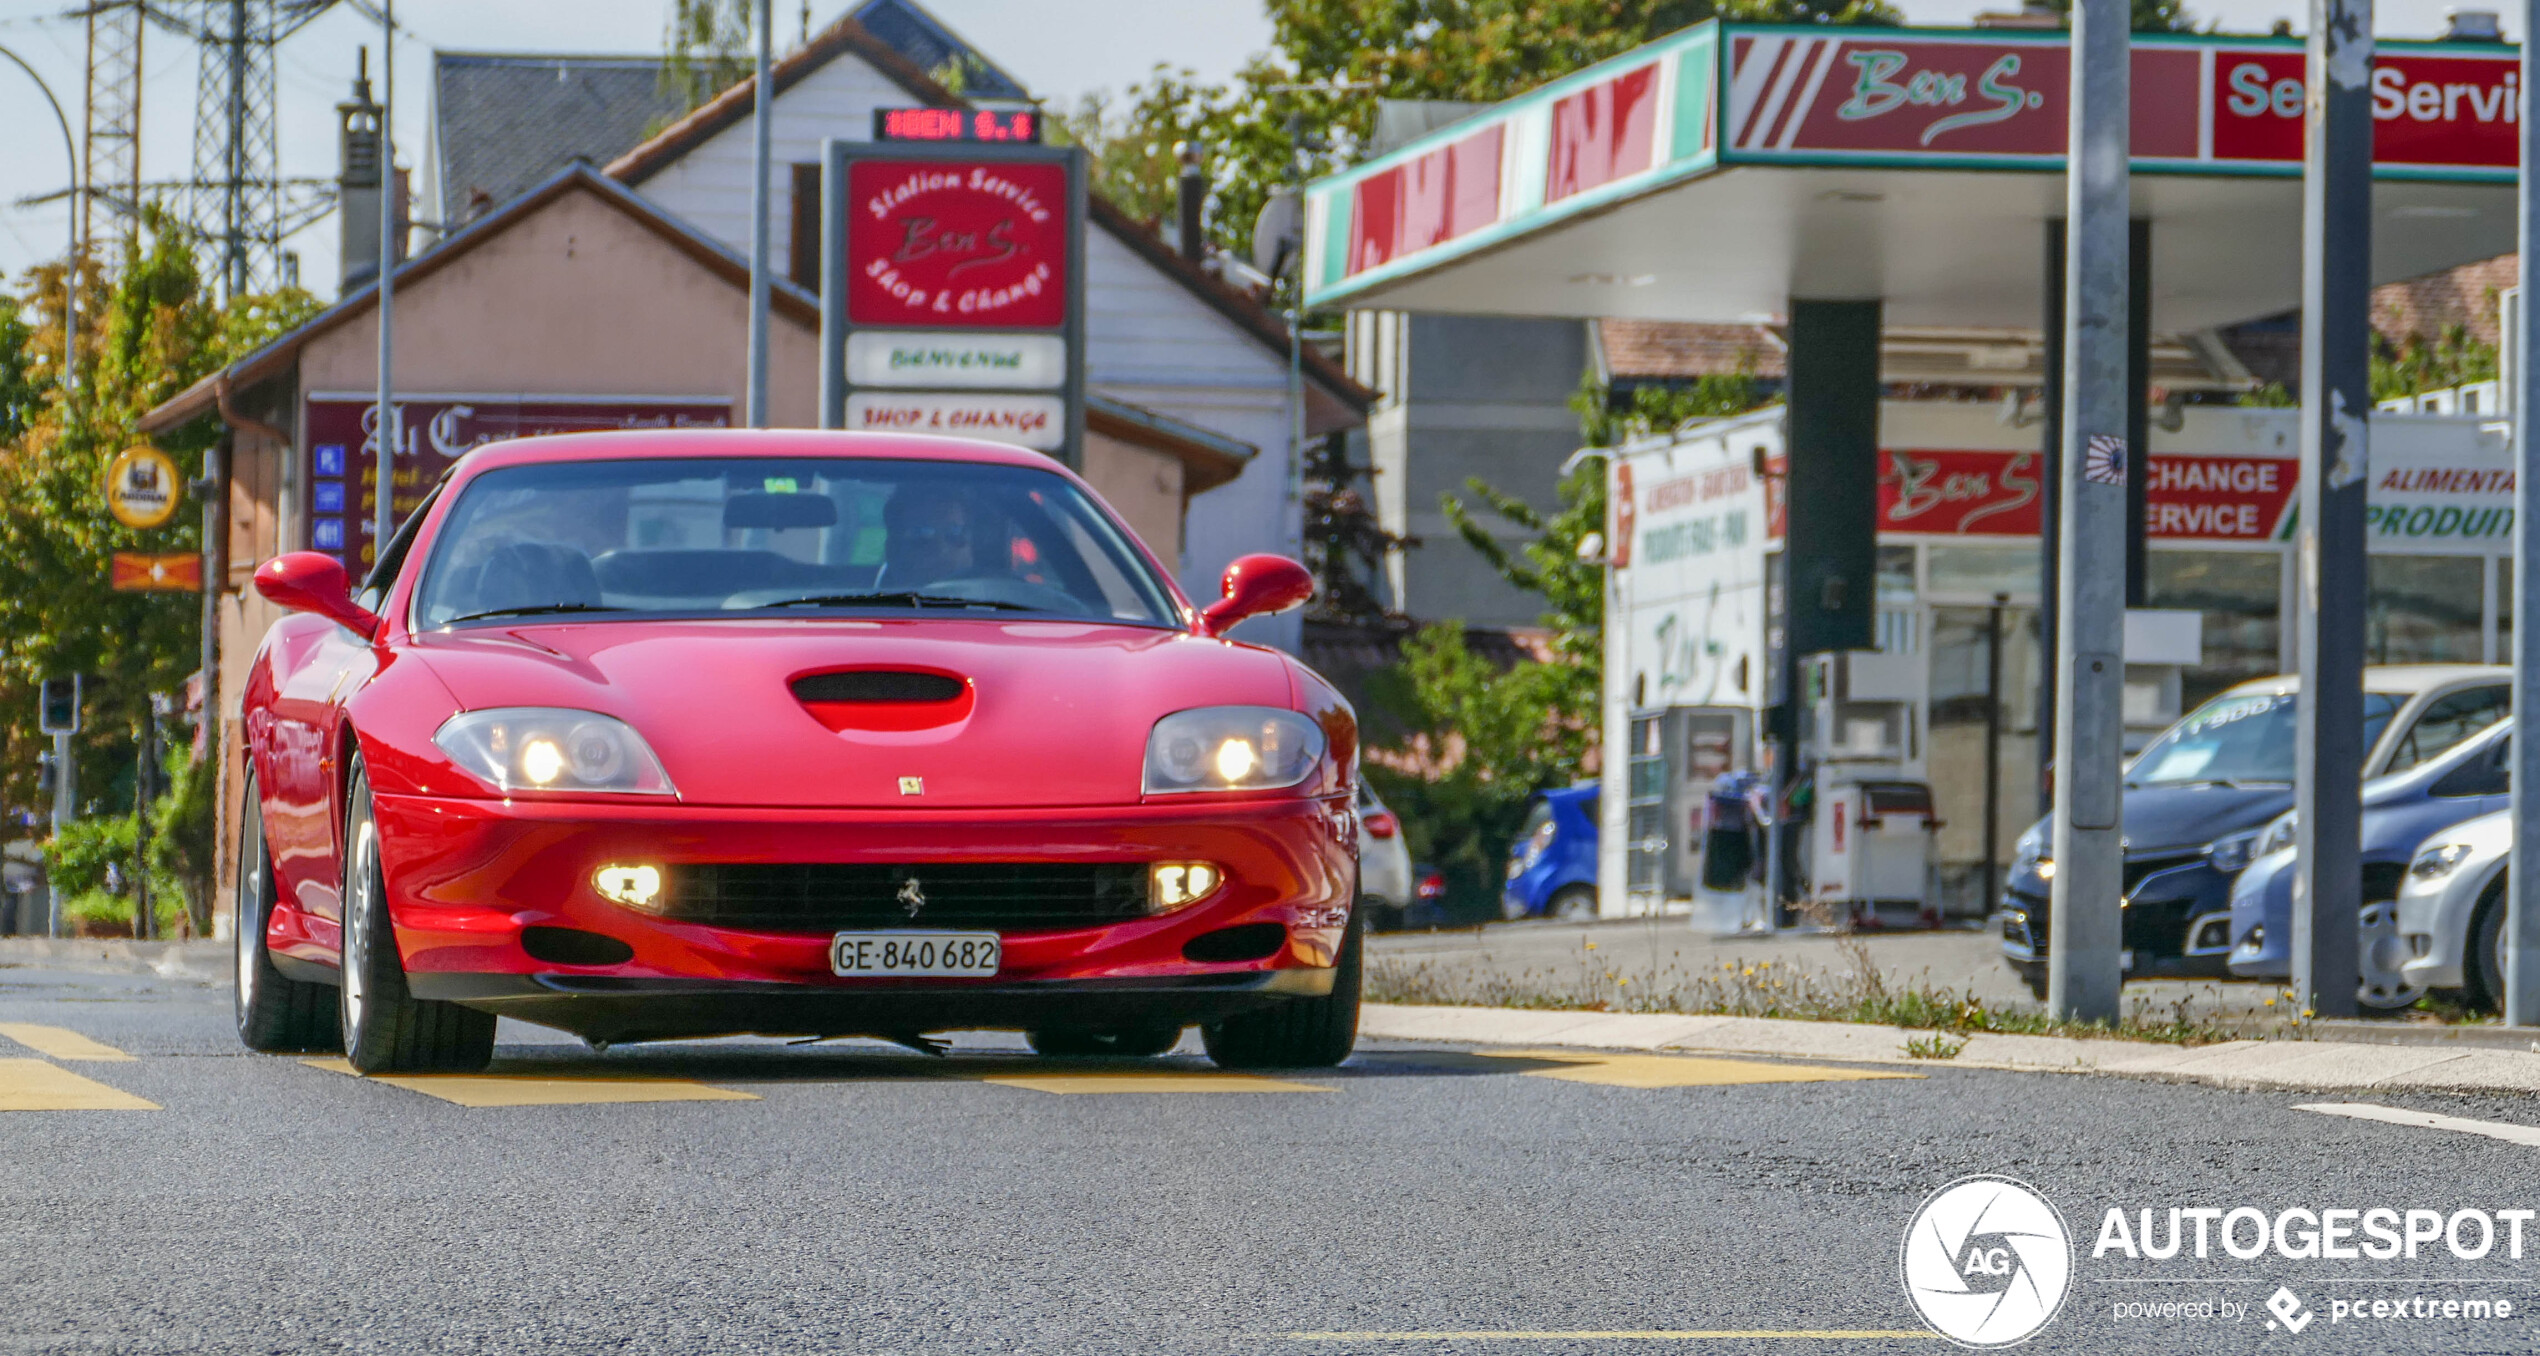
[1855, 992]
[1934, 1046]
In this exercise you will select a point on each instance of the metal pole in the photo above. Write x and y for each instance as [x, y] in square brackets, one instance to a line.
[143, 915]
[385, 518]
[2336, 403]
[833, 284]
[2522, 918]
[1993, 750]
[65, 809]
[762, 120]
[2083, 973]
[70, 261]
[2050, 497]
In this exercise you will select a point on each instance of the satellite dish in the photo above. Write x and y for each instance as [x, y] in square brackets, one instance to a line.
[1278, 232]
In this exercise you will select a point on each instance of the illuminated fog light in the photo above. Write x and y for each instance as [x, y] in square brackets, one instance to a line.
[1172, 885]
[1235, 759]
[541, 761]
[636, 887]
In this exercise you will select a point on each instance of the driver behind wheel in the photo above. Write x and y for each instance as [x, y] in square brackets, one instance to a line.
[926, 537]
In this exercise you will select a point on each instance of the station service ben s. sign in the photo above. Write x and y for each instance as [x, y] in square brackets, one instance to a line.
[978, 244]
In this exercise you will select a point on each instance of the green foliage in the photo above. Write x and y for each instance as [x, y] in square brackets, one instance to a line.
[706, 48]
[179, 858]
[2150, 16]
[22, 391]
[2269, 396]
[183, 828]
[1658, 409]
[1477, 740]
[2422, 362]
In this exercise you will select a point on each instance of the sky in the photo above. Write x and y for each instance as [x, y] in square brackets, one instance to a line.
[1060, 49]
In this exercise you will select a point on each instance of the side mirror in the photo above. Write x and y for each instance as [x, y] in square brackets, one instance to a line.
[1255, 586]
[313, 582]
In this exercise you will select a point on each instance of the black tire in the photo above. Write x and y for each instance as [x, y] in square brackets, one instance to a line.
[2034, 976]
[1120, 1042]
[1300, 1033]
[386, 1028]
[1572, 904]
[276, 1014]
[2484, 967]
[1383, 917]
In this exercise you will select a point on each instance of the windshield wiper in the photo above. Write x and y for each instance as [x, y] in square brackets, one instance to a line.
[894, 600]
[532, 610]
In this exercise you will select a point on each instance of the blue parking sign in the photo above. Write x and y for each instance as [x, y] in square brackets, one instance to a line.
[330, 459]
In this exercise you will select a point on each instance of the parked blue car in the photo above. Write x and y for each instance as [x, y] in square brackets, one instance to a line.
[1552, 865]
[2400, 812]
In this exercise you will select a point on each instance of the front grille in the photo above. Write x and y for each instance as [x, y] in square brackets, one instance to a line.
[2136, 868]
[825, 896]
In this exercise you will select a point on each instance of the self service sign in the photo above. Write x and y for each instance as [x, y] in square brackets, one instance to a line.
[952, 293]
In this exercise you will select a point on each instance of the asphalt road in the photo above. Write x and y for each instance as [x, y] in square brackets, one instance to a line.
[855, 1198]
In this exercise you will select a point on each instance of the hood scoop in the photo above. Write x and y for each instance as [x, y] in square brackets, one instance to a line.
[884, 699]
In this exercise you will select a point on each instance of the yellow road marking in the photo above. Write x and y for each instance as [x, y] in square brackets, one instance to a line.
[1158, 1080]
[33, 1085]
[1679, 1071]
[480, 1090]
[59, 1042]
[1615, 1335]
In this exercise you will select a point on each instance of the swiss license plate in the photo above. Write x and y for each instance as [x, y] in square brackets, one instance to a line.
[914, 953]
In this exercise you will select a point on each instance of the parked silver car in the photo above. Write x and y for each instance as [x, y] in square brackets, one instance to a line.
[1384, 862]
[2452, 909]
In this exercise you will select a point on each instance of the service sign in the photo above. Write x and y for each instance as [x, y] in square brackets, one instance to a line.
[142, 487]
[340, 478]
[951, 242]
[973, 361]
[159, 572]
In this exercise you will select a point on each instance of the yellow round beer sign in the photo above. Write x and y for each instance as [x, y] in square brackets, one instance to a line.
[142, 487]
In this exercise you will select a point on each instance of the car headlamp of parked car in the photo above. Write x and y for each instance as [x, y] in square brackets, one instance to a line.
[2438, 861]
[2029, 854]
[1231, 748]
[2231, 852]
[546, 748]
[2277, 835]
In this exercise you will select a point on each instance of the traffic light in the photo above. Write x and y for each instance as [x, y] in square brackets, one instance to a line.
[60, 713]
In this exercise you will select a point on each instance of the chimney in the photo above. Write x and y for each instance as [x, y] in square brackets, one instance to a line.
[358, 183]
[1191, 199]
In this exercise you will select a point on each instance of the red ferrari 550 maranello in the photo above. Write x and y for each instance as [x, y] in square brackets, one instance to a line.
[651, 735]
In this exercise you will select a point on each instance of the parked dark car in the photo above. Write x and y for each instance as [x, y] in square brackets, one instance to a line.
[2197, 799]
[1552, 865]
[2400, 812]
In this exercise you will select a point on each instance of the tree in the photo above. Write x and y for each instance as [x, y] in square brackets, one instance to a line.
[706, 48]
[1345, 547]
[149, 331]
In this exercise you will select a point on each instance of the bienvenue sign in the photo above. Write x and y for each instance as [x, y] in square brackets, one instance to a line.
[1010, 362]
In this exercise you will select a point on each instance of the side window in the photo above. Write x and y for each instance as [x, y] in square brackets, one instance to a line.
[2489, 774]
[2449, 720]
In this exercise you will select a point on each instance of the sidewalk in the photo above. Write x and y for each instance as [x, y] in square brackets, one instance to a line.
[2283, 1064]
[203, 960]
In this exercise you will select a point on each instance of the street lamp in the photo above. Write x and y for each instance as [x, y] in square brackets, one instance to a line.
[70, 263]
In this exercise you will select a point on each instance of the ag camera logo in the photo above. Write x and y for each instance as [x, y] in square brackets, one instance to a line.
[1986, 1261]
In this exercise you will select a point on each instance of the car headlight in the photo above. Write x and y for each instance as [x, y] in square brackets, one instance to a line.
[1231, 748]
[2438, 861]
[2029, 853]
[547, 748]
[2278, 835]
[2231, 853]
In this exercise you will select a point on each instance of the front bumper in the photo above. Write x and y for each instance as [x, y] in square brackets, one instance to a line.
[2434, 922]
[466, 877]
[2174, 906]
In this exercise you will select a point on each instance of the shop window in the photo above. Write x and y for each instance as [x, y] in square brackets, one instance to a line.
[1979, 572]
[1958, 676]
[2241, 594]
[2423, 609]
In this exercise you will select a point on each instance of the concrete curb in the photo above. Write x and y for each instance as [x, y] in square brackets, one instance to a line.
[201, 960]
[2307, 1065]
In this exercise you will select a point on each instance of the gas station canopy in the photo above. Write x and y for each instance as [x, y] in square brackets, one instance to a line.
[1721, 172]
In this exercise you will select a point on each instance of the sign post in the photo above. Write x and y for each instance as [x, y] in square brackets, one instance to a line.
[2522, 915]
[2336, 473]
[952, 291]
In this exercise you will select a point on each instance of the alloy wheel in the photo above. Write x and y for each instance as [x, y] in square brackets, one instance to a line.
[2384, 986]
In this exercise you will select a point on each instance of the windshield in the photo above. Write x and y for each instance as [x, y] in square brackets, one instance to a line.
[782, 536]
[2237, 740]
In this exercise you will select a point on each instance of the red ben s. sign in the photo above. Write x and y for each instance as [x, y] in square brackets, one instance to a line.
[973, 244]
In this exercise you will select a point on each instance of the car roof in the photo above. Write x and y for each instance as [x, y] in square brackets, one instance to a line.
[2400, 680]
[631, 444]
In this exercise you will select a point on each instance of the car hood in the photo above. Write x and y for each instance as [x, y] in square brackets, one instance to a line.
[2160, 818]
[1060, 714]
